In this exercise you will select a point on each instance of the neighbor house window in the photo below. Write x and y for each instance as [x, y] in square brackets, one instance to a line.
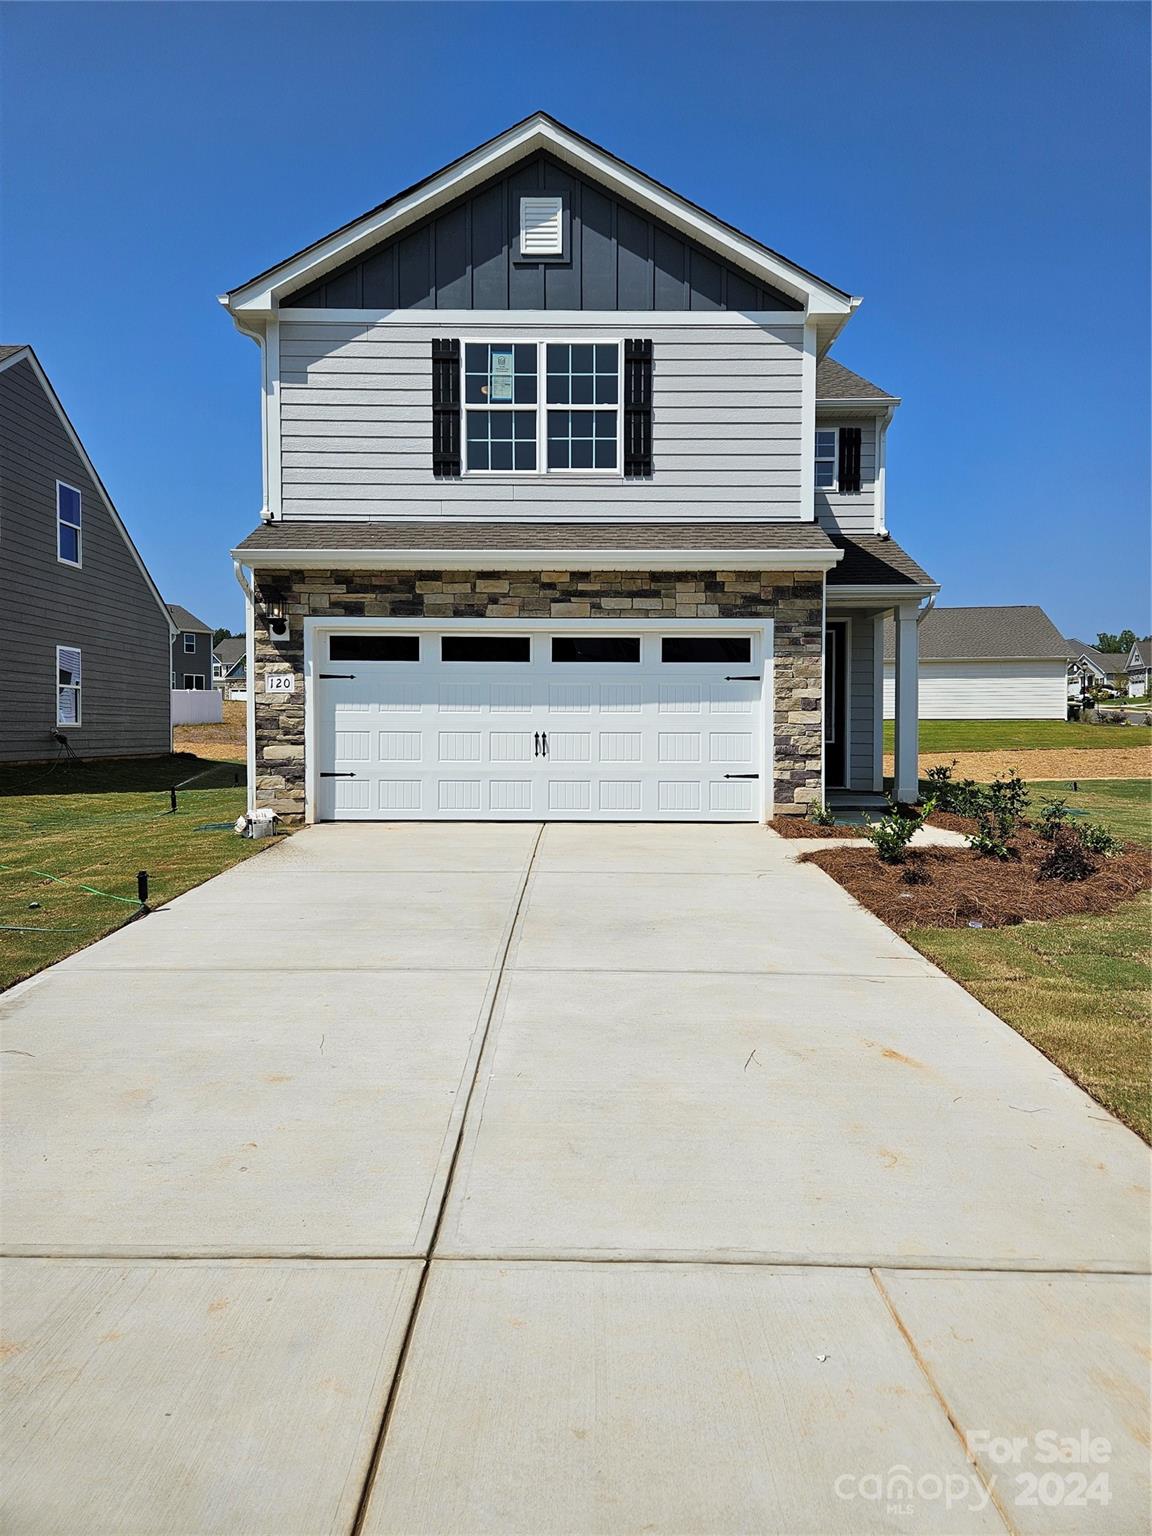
[553, 406]
[67, 685]
[189, 643]
[67, 523]
[826, 459]
[193, 680]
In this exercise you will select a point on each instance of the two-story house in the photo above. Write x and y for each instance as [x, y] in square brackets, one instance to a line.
[84, 633]
[568, 512]
[192, 668]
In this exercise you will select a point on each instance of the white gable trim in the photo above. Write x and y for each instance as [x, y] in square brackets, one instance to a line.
[262, 293]
[26, 354]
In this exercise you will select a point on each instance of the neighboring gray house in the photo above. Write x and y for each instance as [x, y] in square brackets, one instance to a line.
[985, 663]
[191, 650]
[83, 631]
[568, 513]
[1089, 667]
[228, 662]
[1138, 668]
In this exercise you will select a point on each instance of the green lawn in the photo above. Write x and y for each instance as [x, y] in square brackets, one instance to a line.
[1077, 988]
[97, 824]
[1124, 806]
[1020, 735]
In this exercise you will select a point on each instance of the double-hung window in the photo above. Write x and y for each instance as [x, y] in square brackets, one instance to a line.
[826, 458]
[548, 407]
[67, 685]
[189, 643]
[68, 503]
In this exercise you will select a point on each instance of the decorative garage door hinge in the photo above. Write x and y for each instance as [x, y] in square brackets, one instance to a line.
[324, 775]
[741, 775]
[742, 679]
[326, 675]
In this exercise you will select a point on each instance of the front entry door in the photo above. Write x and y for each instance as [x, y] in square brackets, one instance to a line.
[835, 705]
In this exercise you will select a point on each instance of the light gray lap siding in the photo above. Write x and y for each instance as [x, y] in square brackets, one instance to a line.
[355, 404]
[863, 704]
[856, 513]
[105, 607]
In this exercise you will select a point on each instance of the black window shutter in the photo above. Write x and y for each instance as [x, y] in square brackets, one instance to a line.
[445, 407]
[637, 409]
[848, 478]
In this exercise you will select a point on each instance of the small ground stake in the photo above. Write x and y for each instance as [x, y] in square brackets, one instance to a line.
[142, 886]
[172, 799]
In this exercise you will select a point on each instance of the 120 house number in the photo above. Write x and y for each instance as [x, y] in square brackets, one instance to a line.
[280, 682]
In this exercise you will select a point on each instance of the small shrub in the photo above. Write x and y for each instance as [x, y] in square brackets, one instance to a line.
[964, 797]
[891, 835]
[1094, 838]
[1053, 817]
[1004, 802]
[820, 815]
[1066, 860]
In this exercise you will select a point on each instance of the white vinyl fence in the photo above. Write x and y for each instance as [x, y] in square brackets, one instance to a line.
[197, 706]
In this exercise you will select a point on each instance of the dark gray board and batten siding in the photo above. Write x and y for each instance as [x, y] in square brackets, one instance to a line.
[105, 607]
[464, 257]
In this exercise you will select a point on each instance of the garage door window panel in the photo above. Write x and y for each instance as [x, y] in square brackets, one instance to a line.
[374, 648]
[683, 649]
[486, 648]
[596, 648]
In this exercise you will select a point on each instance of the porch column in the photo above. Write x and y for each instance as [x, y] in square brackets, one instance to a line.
[906, 786]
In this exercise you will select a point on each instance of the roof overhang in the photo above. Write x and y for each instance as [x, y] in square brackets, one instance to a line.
[259, 297]
[883, 596]
[537, 559]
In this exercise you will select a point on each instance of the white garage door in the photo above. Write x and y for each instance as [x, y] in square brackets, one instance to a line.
[570, 726]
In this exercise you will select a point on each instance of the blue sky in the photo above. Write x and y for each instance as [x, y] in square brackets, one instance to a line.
[978, 172]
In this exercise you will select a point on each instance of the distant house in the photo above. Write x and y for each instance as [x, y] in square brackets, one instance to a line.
[987, 664]
[1138, 667]
[84, 633]
[229, 662]
[1089, 668]
[191, 650]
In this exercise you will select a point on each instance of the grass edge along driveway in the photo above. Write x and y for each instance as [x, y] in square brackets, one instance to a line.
[96, 824]
[1077, 988]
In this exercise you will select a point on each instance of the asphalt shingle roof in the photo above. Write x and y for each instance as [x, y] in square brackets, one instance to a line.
[835, 382]
[7, 351]
[230, 650]
[460, 533]
[185, 620]
[872, 561]
[986, 634]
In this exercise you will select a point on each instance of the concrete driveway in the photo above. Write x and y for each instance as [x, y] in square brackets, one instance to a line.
[461, 1179]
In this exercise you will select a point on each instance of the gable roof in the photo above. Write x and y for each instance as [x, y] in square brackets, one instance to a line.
[185, 620]
[539, 131]
[12, 354]
[835, 382]
[1024, 633]
[1108, 662]
[1140, 656]
[230, 650]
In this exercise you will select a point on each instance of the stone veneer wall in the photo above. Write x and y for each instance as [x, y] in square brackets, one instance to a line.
[793, 600]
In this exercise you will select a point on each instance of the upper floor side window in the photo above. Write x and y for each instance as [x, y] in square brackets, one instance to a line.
[552, 407]
[837, 460]
[69, 502]
[189, 640]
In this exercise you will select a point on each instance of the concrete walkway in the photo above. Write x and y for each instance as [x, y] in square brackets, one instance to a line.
[589, 1180]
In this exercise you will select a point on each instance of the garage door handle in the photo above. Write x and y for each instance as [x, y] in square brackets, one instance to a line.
[325, 676]
[544, 742]
[743, 679]
[741, 775]
[337, 775]
[536, 753]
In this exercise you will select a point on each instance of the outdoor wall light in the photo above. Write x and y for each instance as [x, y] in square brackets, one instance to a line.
[275, 610]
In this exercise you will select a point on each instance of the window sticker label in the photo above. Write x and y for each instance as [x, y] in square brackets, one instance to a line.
[501, 377]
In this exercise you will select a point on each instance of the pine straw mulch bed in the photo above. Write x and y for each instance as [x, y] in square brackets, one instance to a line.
[800, 826]
[964, 886]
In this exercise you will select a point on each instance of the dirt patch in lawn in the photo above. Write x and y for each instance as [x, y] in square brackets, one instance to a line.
[800, 826]
[223, 742]
[955, 887]
[1064, 763]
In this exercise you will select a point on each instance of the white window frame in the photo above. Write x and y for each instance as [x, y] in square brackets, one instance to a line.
[822, 458]
[194, 676]
[62, 522]
[186, 635]
[77, 688]
[542, 471]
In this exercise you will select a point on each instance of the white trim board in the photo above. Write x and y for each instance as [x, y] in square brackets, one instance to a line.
[315, 628]
[543, 559]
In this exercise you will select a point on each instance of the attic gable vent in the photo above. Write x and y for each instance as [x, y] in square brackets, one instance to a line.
[541, 226]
